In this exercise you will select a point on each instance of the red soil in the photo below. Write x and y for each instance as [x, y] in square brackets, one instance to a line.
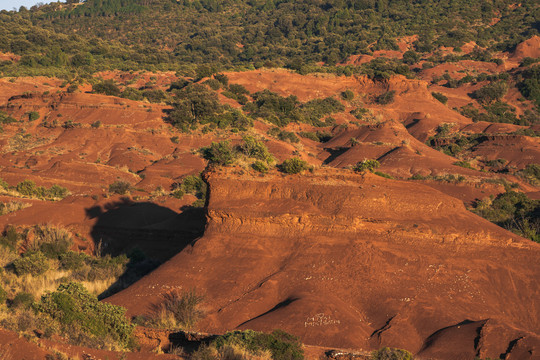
[352, 261]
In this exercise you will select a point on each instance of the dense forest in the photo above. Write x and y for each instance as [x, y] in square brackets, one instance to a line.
[235, 34]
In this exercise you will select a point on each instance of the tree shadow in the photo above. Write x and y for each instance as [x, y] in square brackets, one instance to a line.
[149, 234]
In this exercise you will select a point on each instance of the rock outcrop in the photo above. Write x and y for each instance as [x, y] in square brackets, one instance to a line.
[355, 261]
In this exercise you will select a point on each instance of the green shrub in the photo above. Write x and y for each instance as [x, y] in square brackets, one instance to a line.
[22, 299]
[222, 78]
[71, 260]
[72, 305]
[32, 262]
[384, 175]
[213, 84]
[4, 184]
[367, 164]
[464, 164]
[57, 191]
[513, 211]
[283, 135]
[120, 187]
[347, 95]
[107, 87]
[53, 242]
[386, 98]
[221, 153]
[32, 115]
[391, 354]
[10, 238]
[260, 166]
[531, 173]
[282, 345]
[293, 166]
[254, 148]
[319, 136]
[27, 187]
[238, 89]
[440, 97]
[6, 119]
[3, 295]
[491, 92]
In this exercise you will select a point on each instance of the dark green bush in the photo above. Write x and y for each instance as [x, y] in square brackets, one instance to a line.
[10, 238]
[32, 263]
[513, 211]
[32, 115]
[6, 119]
[107, 87]
[22, 299]
[491, 92]
[293, 166]
[386, 98]
[221, 153]
[3, 295]
[347, 95]
[72, 305]
[254, 148]
[282, 345]
[283, 135]
[260, 166]
[440, 97]
[391, 354]
[120, 187]
[366, 165]
[464, 164]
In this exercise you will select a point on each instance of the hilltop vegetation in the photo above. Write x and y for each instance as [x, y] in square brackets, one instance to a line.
[170, 34]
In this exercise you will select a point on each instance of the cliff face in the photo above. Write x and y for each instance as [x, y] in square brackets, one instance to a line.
[355, 261]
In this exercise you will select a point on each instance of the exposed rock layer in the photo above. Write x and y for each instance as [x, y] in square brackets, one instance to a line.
[355, 261]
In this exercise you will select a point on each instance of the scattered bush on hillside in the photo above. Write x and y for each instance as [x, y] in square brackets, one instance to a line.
[386, 98]
[31, 263]
[32, 115]
[178, 311]
[73, 307]
[119, 187]
[440, 97]
[191, 184]
[195, 105]
[464, 164]
[12, 206]
[107, 87]
[293, 166]
[281, 110]
[221, 153]
[347, 95]
[6, 119]
[391, 354]
[30, 189]
[513, 211]
[529, 85]
[366, 165]
[10, 238]
[3, 295]
[260, 166]
[531, 173]
[491, 92]
[283, 135]
[319, 136]
[281, 345]
[256, 149]
[382, 174]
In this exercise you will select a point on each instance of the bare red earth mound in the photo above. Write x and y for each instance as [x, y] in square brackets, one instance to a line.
[355, 261]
